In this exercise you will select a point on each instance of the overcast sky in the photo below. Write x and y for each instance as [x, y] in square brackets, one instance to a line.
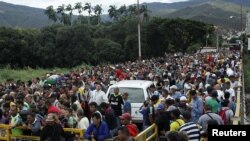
[105, 3]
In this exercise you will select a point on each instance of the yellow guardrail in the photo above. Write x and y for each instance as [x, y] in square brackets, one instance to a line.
[7, 136]
[236, 119]
[5, 132]
[144, 135]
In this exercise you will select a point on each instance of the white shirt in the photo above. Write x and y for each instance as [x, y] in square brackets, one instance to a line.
[232, 92]
[220, 94]
[78, 104]
[83, 123]
[98, 97]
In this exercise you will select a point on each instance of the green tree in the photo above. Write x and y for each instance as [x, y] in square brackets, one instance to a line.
[69, 9]
[132, 11]
[123, 11]
[88, 7]
[64, 18]
[51, 13]
[183, 33]
[113, 13]
[144, 10]
[104, 47]
[98, 11]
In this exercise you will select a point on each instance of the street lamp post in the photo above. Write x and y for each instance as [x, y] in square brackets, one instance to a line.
[139, 30]
[217, 37]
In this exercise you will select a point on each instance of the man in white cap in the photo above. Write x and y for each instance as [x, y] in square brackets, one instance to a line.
[174, 92]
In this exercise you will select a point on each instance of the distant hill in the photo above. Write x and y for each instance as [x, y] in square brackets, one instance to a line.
[211, 14]
[226, 13]
[22, 16]
[219, 12]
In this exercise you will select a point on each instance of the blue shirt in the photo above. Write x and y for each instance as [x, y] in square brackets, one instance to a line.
[197, 108]
[100, 133]
[127, 107]
[176, 95]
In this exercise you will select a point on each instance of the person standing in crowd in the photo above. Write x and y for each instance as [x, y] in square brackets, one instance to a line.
[127, 103]
[87, 92]
[123, 134]
[230, 90]
[126, 121]
[109, 117]
[177, 122]
[98, 95]
[153, 91]
[93, 109]
[152, 108]
[193, 130]
[83, 121]
[116, 103]
[53, 131]
[162, 120]
[33, 124]
[15, 121]
[213, 102]
[209, 93]
[51, 108]
[175, 94]
[196, 106]
[209, 115]
[144, 110]
[226, 113]
[231, 103]
[53, 99]
[164, 95]
[98, 130]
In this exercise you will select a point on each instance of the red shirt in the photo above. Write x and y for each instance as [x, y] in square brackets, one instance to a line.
[133, 130]
[54, 109]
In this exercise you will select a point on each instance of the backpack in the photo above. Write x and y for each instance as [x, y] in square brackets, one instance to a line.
[223, 116]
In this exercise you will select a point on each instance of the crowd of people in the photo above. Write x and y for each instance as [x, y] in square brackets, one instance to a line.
[189, 93]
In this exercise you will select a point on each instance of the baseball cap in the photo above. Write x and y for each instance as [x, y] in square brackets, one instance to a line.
[125, 116]
[50, 117]
[154, 97]
[171, 108]
[183, 98]
[173, 87]
[160, 107]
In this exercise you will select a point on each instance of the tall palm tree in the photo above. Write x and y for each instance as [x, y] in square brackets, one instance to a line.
[61, 10]
[144, 10]
[78, 7]
[51, 13]
[122, 11]
[98, 11]
[113, 13]
[89, 8]
[69, 9]
[132, 10]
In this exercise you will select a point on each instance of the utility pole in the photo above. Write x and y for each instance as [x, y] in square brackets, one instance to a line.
[241, 18]
[139, 30]
[217, 41]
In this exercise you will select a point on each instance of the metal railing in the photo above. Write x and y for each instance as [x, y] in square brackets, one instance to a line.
[240, 110]
[144, 135]
[7, 136]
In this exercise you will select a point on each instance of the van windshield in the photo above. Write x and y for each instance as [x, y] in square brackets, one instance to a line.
[135, 94]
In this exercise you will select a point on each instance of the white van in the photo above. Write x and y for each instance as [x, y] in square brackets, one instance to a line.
[138, 93]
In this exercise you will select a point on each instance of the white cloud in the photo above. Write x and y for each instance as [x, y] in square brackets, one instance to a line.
[105, 3]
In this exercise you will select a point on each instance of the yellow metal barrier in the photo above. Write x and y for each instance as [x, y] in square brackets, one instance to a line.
[8, 136]
[5, 132]
[236, 119]
[143, 135]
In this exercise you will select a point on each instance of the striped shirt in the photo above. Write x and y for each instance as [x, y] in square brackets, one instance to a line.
[192, 130]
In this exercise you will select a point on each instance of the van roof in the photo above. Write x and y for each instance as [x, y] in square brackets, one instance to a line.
[133, 83]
